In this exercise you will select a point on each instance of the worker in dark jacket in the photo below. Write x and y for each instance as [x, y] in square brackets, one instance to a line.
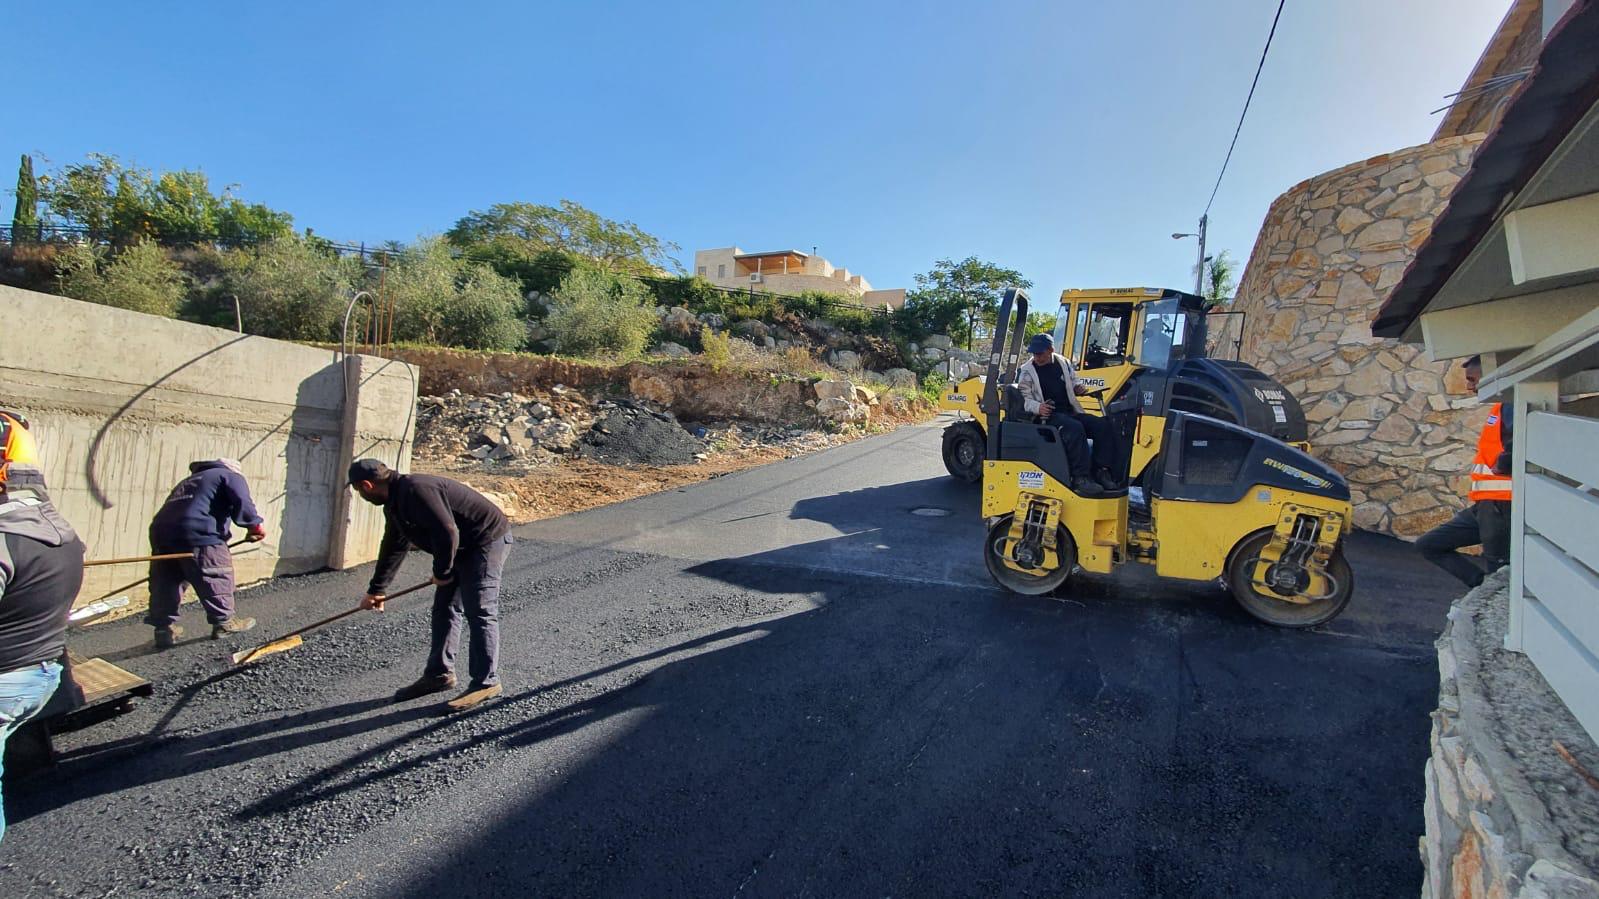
[41, 569]
[469, 538]
[196, 519]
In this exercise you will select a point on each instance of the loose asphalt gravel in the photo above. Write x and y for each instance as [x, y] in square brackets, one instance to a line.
[792, 680]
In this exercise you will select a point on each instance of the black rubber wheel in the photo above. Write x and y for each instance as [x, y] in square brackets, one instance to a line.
[1017, 582]
[1270, 608]
[963, 451]
[1149, 478]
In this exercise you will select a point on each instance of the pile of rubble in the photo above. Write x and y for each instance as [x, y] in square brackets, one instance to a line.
[503, 428]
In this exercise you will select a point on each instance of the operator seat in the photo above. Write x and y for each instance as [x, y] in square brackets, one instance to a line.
[1023, 439]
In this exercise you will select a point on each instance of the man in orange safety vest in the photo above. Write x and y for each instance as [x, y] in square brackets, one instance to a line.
[1486, 522]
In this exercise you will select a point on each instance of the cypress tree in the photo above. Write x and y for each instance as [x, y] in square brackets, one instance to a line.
[25, 221]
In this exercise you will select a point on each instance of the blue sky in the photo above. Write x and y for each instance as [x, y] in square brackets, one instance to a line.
[1066, 139]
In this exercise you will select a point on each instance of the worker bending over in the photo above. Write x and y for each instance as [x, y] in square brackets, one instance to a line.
[195, 520]
[469, 539]
[1486, 522]
[41, 569]
[1050, 390]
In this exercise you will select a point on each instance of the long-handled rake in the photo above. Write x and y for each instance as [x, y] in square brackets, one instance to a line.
[158, 558]
[291, 640]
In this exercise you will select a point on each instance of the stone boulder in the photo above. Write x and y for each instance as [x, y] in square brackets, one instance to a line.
[554, 435]
[757, 332]
[939, 341]
[672, 350]
[842, 410]
[900, 377]
[844, 360]
[834, 390]
[680, 322]
[958, 371]
[714, 320]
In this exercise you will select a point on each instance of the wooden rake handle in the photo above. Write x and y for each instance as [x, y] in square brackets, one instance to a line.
[160, 558]
[332, 618]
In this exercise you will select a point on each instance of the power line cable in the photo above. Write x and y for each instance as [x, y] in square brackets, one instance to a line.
[1252, 84]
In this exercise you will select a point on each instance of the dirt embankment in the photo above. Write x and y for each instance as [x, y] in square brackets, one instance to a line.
[545, 436]
[689, 389]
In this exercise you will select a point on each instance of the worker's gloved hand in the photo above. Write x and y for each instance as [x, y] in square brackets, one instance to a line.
[256, 534]
[373, 602]
[1502, 464]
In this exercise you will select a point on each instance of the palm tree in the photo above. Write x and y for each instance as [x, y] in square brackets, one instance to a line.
[1221, 278]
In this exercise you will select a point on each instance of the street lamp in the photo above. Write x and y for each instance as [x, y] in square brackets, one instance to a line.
[1199, 274]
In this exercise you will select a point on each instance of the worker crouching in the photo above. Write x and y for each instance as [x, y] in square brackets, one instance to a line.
[469, 539]
[195, 519]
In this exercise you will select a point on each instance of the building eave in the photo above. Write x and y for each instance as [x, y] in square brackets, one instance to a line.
[1562, 89]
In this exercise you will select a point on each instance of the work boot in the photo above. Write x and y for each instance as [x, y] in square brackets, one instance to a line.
[1084, 486]
[167, 637]
[1107, 480]
[473, 697]
[231, 626]
[424, 685]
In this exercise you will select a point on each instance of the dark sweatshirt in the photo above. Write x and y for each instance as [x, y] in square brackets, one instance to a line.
[198, 510]
[41, 570]
[438, 516]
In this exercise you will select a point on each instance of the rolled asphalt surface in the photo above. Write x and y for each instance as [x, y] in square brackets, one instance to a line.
[797, 679]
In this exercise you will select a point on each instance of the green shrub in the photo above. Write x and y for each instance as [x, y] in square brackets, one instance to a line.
[933, 385]
[593, 312]
[484, 314]
[140, 278]
[291, 289]
[447, 301]
[718, 348]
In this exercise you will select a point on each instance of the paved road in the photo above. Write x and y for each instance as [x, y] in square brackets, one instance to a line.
[781, 682]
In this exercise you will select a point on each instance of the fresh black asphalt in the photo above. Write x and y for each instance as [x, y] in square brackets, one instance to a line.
[795, 680]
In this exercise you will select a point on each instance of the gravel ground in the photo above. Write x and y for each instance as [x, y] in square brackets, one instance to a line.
[779, 682]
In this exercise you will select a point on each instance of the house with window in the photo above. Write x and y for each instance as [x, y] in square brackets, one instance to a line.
[790, 273]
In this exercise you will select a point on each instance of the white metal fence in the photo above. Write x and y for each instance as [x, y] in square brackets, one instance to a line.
[1555, 555]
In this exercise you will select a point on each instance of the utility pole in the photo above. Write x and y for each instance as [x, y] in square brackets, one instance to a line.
[1199, 273]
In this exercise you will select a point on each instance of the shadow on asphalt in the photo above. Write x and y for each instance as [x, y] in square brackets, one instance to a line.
[909, 737]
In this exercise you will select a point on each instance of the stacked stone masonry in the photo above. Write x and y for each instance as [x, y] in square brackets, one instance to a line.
[1505, 816]
[1402, 429]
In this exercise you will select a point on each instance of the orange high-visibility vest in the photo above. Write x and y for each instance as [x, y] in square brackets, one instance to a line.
[1485, 482]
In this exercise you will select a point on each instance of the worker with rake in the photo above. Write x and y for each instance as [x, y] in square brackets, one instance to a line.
[469, 539]
[196, 519]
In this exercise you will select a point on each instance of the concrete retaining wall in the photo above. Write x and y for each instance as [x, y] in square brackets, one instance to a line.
[122, 402]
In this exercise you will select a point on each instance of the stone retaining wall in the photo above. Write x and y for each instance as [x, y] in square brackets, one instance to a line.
[1401, 428]
[1506, 815]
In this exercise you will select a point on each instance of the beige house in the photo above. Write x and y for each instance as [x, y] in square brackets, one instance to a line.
[791, 273]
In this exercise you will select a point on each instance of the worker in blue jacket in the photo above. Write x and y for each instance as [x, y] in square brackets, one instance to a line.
[196, 519]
